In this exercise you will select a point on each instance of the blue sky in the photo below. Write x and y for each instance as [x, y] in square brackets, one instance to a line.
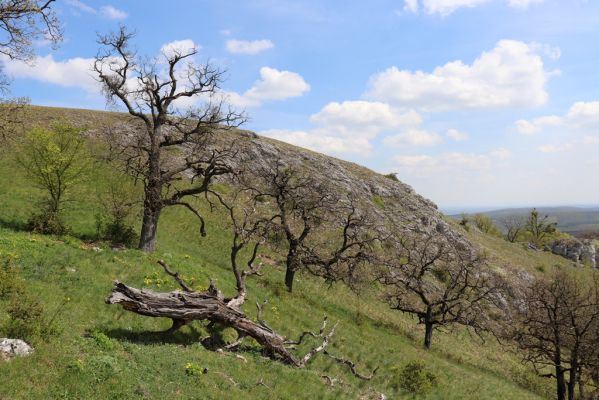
[475, 103]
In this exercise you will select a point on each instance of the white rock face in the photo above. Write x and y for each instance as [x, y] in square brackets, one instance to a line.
[11, 348]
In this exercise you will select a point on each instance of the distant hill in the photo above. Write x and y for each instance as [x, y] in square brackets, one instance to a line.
[578, 221]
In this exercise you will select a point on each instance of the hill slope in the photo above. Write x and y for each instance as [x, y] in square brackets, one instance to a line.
[124, 358]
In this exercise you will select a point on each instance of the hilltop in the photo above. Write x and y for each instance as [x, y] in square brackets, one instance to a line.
[100, 351]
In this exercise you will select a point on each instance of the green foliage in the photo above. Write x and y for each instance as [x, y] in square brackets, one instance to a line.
[416, 379]
[392, 176]
[55, 160]
[47, 222]
[379, 202]
[113, 222]
[101, 340]
[485, 224]
[539, 229]
[26, 317]
[465, 222]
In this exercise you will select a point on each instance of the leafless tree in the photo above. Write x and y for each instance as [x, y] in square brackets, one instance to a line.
[23, 22]
[555, 326]
[175, 142]
[248, 219]
[439, 282]
[513, 225]
[326, 233]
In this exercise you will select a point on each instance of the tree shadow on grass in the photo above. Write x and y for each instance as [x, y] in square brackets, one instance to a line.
[185, 337]
[14, 225]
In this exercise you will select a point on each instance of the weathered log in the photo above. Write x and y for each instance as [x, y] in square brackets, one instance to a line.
[184, 307]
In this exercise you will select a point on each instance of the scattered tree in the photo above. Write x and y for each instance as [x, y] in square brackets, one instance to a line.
[174, 142]
[439, 282]
[249, 223]
[55, 160]
[325, 233]
[555, 325]
[539, 228]
[513, 225]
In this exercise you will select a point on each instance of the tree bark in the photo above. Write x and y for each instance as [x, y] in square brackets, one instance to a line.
[428, 334]
[561, 382]
[188, 306]
[149, 227]
[292, 266]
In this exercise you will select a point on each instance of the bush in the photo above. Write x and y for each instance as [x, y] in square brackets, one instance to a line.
[117, 205]
[26, 317]
[485, 224]
[47, 222]
[416, 379]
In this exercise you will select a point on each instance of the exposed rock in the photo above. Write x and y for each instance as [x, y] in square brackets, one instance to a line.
[11, 348]
[579, 251]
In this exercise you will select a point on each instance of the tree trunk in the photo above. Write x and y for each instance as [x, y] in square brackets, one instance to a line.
[428, 334]
[149, 228]
[561, 383]
[292, 267]
[184, 307]
[573, 379]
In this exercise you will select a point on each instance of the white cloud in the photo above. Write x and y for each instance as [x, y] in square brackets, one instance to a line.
[501, 153]
[551, 148]
[510, 75]
[107, 11]
[248, 47]
[456, 135]
[584, 113]
[113, 13]
[272, 85]
[446, 7]
[445, 161]
[184, 46]
[74, 72]
[348, 127]
[411, 6]
[81, 6]
[414, 137]
[523, 3]
[526, 127]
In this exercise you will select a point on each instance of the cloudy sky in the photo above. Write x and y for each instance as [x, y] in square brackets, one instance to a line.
[475, 103]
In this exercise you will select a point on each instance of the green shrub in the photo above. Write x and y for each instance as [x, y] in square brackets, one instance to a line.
[24, 316]
[47, 222]
[101, 340]
[416, 379]
[392, 176]
[485, 224]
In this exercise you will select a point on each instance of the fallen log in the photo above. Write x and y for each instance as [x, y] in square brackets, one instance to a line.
[184, 307]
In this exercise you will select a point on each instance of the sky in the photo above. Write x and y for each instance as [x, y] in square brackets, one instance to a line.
[474, 103]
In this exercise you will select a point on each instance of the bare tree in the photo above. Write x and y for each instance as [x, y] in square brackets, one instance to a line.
[513, 225]
[555, 325]
[249, 225]
[21, 23]
[24, 21]
[437, 281]
[325, 232]
[152, 92]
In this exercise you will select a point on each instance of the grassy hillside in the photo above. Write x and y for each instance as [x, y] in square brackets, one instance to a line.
[103, 352]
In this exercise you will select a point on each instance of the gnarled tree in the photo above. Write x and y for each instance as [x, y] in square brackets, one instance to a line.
[325, 232]
[555, 325]
[174, 142]
[249, 223]
[438, 281]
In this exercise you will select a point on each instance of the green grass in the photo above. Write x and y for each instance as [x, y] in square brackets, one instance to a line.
[103, 352]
